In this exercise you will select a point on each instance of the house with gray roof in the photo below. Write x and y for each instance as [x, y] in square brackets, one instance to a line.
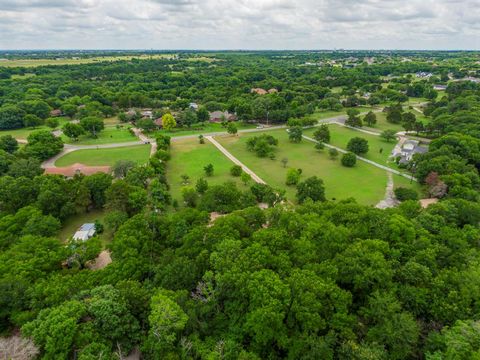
[85, 232]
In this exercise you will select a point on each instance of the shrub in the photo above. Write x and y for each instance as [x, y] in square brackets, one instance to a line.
[403, 194]
[236, 170]
[208, 169]
[312, 188]
[293, 176]
[349, 159]
[333, 153]
[358, 145]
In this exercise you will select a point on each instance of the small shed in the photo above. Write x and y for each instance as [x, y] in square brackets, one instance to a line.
[85, 232]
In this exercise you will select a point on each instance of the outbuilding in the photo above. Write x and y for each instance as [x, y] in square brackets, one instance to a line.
[85, 232]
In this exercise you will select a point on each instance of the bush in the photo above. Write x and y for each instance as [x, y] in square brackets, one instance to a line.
[201, 185]
[333, 153]
[312, 188]
[293, 176]
[403, 194]
[236, 170]
[52, 123]
[208, 169]
[162, 155]
[349, 159]
[358, 145]
[262, 145]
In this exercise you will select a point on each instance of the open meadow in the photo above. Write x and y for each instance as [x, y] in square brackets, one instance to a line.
[77, 61]
[189, 157]
[106, 157]
[364, 182]
[379, 149]
[109, 135]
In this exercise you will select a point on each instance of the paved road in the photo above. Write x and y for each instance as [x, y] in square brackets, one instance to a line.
[225, 152]
[68, 148]
[389, 201]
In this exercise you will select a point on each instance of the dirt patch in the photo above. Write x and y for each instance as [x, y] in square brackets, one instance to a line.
[16, 347]
[102, 260]
[427, 202]
[77, 168]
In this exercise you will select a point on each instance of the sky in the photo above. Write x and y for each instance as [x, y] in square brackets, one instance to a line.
[239, 24]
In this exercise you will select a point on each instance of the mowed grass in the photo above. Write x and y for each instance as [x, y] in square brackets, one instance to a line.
[363, 182]
[189, 157]
[382, 124]
[109, 135]
[379, 149]
[74, 222]
[23, 133]
[106, 157]
[201, 129]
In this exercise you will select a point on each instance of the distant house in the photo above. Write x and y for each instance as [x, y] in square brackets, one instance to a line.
[219, 116]
[407, 150]
[131, 113]
[147, 113]
[259, 91]
[440, 87]
[85, 232]
[56, 113]
[423, 75]
[272, 91]
[158, 122]
[193, 106]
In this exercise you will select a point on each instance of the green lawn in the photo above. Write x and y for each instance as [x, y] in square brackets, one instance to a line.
[364, 182]
[109, 135]
[383, 124]
[107, 157]
[340, 136]
[24, 132]
[189, 157]
[203, 129]
[72, 224]
[325, 114]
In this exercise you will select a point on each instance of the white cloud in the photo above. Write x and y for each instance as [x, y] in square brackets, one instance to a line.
[233, 24]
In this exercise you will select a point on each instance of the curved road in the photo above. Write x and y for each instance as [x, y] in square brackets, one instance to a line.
[68, 148]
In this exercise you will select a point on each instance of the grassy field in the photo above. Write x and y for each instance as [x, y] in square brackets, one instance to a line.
[364, 182]
[107, 157]
[189, 157]
[70, 61]
[109, 135]
[340, 136]
[24, 132]
[205, 129]
[72, 224]
[383, 124]
[20, 77]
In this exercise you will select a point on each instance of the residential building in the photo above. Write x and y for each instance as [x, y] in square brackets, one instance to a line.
[407, 150]
[56, 113]
[219, 116]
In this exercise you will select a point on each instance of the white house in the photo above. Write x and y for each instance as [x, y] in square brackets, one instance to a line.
[408, 149]
[147, 113]
[85, 232]
[193, 106]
